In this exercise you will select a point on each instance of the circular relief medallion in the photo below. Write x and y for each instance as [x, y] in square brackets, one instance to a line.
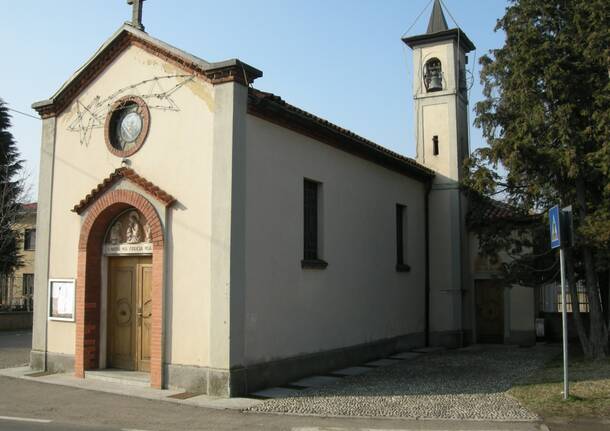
[127, 126]
[122, 312]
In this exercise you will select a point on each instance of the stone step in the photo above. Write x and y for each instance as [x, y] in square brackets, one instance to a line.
[131, 378]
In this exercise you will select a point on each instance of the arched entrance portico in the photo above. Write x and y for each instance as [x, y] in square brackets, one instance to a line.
[89, 279]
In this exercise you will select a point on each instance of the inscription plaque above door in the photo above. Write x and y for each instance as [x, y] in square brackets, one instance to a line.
[129, 235]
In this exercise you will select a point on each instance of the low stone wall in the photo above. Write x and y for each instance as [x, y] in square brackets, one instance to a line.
[15, 320]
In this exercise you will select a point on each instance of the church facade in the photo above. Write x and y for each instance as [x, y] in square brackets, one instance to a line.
[221, 240]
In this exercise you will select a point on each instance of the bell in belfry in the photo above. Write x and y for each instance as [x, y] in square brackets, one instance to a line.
[436, 82]
[433, 75]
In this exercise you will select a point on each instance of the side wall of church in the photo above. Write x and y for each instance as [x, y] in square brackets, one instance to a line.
[177, 157]
[360, 297]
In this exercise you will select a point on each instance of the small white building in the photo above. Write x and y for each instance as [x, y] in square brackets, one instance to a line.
[222, 240]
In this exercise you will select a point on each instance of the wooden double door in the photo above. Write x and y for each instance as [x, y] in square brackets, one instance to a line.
[129, 312]
[490, 311]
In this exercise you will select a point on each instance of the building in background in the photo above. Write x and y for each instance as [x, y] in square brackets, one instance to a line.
[17, 291]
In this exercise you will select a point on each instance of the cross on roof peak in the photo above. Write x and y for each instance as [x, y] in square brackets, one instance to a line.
[136, 17]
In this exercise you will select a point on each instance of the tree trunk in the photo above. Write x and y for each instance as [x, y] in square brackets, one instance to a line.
[608, 306]
[604, 288]
[576, 315]
[598, 331]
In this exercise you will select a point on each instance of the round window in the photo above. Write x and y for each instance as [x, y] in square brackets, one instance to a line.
[127, 126]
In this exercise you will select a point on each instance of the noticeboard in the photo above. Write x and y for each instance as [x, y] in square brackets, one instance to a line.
[62, 299]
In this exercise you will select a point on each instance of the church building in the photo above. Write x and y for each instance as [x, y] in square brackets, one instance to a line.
[217, 239]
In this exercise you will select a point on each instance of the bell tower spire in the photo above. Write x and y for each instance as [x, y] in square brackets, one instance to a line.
[437, 19]
[136, 16]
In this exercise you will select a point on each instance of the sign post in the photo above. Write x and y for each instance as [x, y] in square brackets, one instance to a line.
[555, 226]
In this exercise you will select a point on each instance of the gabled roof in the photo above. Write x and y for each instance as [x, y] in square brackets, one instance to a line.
[127, 35]
[129, 175]
[262, 104]
[272, 108]
[437, 19]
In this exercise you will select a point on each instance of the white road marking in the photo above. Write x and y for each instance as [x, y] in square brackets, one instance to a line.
[360, 429]
[131, 429]
[11, 418]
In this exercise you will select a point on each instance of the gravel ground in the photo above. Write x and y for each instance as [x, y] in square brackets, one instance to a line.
[468, 383]
[15, 348]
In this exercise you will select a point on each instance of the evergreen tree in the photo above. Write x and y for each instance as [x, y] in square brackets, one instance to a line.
[11, 188]
[546, 118]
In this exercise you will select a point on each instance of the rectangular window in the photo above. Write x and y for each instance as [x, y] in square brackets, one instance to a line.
[401, 238]
[311, 224]
[29, 239]
[28, 284]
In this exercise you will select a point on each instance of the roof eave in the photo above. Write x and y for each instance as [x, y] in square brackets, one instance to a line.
[454, 33]
[328, 133]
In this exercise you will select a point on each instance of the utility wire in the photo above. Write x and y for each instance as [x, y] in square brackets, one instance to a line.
[450, 15]
[23, 113]
[417, 19]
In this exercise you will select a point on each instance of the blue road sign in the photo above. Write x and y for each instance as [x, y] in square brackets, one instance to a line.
[555, 227]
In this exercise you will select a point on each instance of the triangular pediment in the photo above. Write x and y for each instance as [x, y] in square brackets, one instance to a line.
[126, 36]
[123, 174]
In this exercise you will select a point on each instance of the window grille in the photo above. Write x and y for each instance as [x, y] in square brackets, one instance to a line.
[550, 298]
[28, 284]
[310, 220]
[401, 212]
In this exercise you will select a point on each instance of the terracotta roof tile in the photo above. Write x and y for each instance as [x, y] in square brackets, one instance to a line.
[491, 210]
[32, 207]
[129, 175]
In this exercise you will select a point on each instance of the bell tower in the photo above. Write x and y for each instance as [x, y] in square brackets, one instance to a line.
[441, 127]
[441, 95]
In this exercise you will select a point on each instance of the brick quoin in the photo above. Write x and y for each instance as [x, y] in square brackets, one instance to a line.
[89, 279]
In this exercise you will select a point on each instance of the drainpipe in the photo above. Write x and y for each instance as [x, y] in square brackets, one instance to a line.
[427, 278]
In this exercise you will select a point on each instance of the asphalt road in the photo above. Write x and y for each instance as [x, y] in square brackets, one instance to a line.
[15, 348]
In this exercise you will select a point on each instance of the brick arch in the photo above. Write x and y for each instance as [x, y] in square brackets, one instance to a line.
[89, 280]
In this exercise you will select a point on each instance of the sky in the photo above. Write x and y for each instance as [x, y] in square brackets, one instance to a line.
[342, 60]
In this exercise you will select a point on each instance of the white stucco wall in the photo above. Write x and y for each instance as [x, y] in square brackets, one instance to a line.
[359, 297]
[177, 156]
[522, 309]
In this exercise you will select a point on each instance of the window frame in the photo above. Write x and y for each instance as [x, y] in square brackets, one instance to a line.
[401, 239]
[27, 290]
[312, 218]
[27, 240]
